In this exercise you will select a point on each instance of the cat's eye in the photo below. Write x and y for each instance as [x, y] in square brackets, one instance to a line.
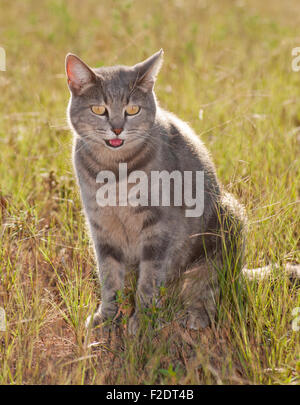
[99, 109]
[132, 109]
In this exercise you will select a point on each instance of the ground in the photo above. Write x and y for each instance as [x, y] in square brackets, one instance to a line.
[228, 72]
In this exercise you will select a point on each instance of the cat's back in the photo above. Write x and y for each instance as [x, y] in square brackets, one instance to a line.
[182, 149]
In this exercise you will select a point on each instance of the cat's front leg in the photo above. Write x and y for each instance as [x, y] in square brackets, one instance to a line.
[111, 273]
[152, 275]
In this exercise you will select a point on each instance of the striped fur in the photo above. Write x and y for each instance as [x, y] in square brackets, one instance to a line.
[161, 243]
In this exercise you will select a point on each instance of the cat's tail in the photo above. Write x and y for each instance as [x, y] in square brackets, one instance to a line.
[260, 273]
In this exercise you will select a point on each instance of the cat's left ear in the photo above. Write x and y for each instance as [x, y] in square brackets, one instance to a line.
[148, 70]
[80, 75]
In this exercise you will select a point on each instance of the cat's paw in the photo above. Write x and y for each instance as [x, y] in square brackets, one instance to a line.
[105, 319]
[133, 324]
[93, 320]
[196, 320]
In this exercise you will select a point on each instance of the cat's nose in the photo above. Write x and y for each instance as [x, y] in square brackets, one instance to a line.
[117, 131]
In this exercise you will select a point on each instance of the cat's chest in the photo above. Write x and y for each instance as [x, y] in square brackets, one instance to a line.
[121, 224]
[109, 218]
[123, 219]
[121, 227]
[105, 206]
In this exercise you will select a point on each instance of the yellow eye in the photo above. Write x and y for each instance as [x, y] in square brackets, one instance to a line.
[132, 109]
[99, 109]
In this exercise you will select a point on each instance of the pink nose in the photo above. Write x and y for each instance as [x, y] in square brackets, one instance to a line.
[117, 131]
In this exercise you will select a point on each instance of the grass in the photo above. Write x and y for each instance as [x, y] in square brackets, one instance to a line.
[230, 59]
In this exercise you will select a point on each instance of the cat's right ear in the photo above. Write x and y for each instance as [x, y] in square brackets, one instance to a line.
[148, 70]
[80, 76]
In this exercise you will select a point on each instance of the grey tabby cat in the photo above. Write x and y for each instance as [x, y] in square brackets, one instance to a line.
[115, 118]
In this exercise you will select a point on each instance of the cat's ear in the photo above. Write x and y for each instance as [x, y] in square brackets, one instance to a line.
[148, 70]
[80, 76]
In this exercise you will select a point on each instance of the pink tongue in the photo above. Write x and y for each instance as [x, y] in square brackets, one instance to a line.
[116, 142]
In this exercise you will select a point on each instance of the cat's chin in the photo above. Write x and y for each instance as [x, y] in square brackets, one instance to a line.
[114, 143]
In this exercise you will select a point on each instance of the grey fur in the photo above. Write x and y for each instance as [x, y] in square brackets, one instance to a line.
[162, 243]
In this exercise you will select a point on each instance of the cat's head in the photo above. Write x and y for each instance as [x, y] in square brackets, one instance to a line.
[113, 107]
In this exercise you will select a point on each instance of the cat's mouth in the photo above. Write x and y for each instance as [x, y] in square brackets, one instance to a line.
[114, 143]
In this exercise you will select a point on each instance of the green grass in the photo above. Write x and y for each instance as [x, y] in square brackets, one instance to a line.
[232, 59]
